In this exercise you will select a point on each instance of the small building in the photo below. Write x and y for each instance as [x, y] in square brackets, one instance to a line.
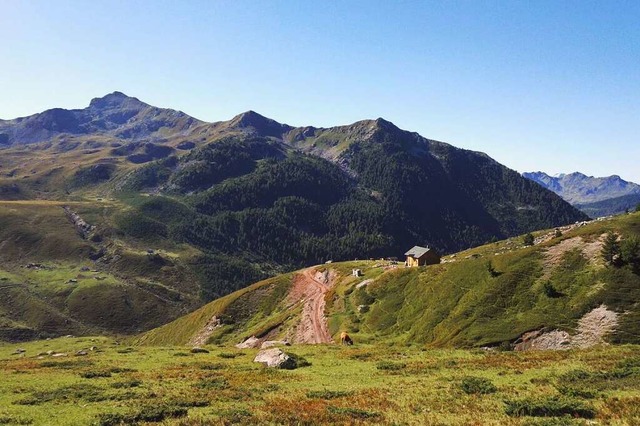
[356, 272]
[420, 256]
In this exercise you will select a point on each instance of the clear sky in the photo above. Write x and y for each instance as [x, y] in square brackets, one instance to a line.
[537, 85]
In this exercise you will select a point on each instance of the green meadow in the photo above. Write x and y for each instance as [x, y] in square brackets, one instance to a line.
[361, 384]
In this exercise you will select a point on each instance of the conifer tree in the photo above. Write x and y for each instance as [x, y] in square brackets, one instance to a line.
[611, 249]
[528, 240]
[630, 253]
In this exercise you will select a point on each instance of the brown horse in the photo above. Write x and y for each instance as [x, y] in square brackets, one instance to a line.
[345, 339]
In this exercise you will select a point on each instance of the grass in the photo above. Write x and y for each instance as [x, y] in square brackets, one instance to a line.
[486, 296]
[343, 385]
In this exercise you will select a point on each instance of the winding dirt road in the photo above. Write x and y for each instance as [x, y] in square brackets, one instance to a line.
[311, 286]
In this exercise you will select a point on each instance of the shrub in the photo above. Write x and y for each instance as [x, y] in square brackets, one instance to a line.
[299, 360]
[76, 392]
[126, 384]
[477, 385]
[390, 366]
[213, 383]
[550, 290]
[577, 392]
[13, 420]
[362, 297]
[214, 366]
[95, 374]
[328, 394]
[528, 240]
[549, 407]
[146, 414]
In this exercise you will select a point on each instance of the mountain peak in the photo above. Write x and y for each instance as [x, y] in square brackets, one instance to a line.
[384, 123]
[114, 99]
[250, 118]
[262, 125]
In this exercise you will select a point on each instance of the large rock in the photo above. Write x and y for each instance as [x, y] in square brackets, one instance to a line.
[275, 358]
[251, 342]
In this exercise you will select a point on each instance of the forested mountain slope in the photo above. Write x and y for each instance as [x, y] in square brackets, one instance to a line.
[225, 204]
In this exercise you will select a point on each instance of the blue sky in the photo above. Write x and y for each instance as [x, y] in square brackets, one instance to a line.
[537, 85]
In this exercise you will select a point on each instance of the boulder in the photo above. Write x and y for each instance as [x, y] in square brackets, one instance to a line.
[251, 342]
[275, 358]
[199, 351]
[58, 355]
[82, 353]
[271, 343]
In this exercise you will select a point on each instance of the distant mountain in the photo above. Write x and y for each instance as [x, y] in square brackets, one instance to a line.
[116, 115]
[598, 195]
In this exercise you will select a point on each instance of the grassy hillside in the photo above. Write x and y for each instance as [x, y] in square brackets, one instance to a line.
[484, 296]
[56, 281]
[363, 384]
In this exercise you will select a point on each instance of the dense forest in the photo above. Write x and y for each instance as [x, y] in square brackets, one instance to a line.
[255, 206]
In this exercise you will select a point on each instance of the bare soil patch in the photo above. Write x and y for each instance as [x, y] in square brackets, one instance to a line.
[591, 330]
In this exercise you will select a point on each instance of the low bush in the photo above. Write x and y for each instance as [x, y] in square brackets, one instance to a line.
[549, 407]
[71, 393]
[126, 384]
[145, 414]
[477, 385]
[299, 360]
[577, 392]
[390, 366]
[95, 374]
[212, 367]
[13, 420]
[218, 383]
[328, 394]
[228, 355]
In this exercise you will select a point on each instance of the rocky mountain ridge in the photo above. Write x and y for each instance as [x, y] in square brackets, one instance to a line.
[578, 188]
[596, 196]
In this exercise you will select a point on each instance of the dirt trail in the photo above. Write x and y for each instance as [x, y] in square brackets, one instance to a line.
[311, 286]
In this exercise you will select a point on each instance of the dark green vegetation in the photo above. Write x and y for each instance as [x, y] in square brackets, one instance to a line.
[184, 211]
[487, 296]
[342, 386]
[611, 206]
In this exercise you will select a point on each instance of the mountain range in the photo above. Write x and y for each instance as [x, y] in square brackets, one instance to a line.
[596, 196]
[182, 211]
